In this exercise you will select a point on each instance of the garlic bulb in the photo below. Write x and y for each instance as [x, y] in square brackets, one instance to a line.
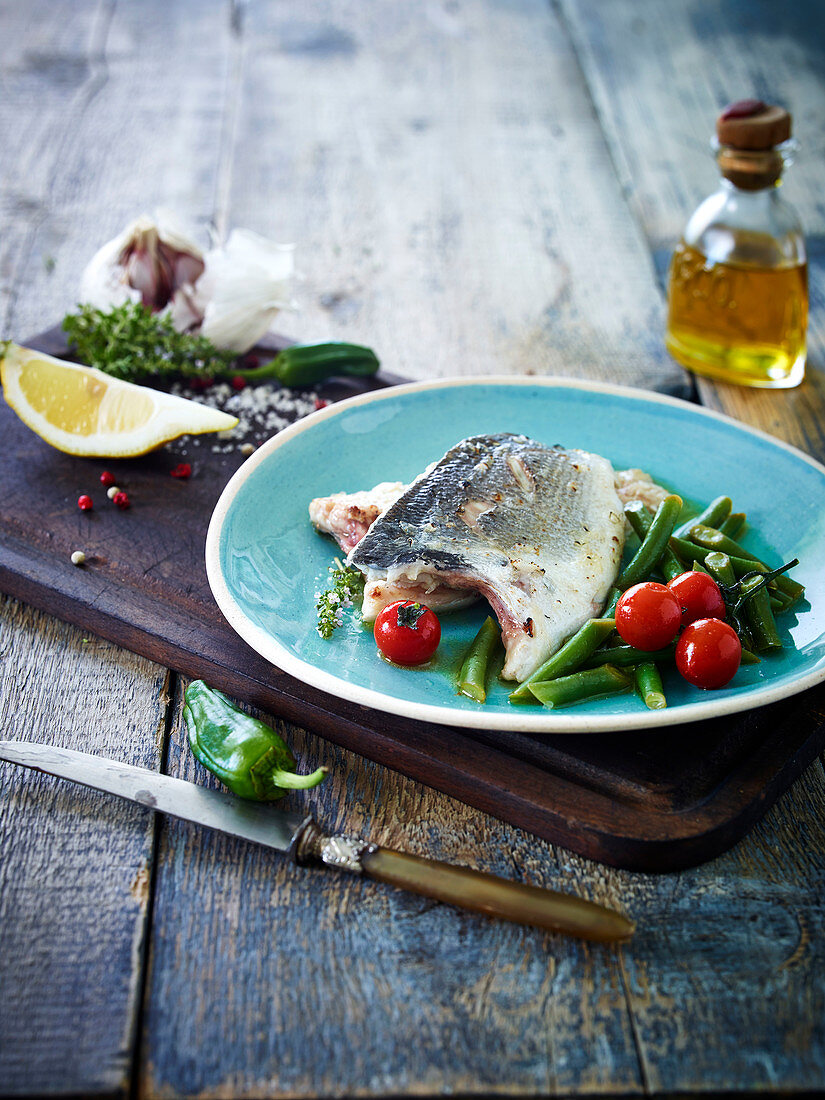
[245, 285]
[232, 293]
[150, 262]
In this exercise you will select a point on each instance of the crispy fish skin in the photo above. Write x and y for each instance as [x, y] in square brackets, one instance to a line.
[538, 531]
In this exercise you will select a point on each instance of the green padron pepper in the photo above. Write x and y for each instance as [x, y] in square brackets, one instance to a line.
[245, 754]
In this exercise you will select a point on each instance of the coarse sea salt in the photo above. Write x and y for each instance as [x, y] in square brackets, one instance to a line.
[262, 410]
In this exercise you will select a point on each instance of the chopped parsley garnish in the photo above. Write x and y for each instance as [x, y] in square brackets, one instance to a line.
[346, 587]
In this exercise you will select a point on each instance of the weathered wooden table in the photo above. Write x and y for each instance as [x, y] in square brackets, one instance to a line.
[475, 188]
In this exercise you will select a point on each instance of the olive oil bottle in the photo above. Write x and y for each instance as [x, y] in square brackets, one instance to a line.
[738, 288]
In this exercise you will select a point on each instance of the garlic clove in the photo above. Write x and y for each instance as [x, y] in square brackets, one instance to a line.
[246, 283]
[233, 293]
[146, 262]
[147, 269]
[187, 268]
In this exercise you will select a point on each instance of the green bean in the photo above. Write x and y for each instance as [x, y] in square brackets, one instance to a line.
[640, 518]
[653, 545]
[733, 525]
[472, 678]
[714, 540]
[689, 550]
[757, 608]
[716, 512]
[648, 683]
[568, 658]
[581, 685]
[625, 655]
[720, 568]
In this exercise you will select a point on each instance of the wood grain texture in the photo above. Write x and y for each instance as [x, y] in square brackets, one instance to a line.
[450, 190]
[75, 869]
[722, 985]
[306, 965]
[86, 143]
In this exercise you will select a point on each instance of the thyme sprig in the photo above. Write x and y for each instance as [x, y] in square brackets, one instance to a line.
[346, 588]
[130, 342]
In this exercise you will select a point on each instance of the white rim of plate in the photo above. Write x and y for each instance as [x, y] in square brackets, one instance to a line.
[548, 721]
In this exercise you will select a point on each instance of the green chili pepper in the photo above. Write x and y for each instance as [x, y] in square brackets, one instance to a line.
[245, 754]
[306, 364]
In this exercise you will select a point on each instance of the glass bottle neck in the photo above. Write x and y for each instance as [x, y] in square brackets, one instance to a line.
[751, 197]
[754, 170]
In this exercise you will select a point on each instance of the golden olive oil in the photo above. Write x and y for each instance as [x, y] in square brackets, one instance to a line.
[740, 322]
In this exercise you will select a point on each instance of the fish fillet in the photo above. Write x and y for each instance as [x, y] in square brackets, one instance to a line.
[348, 516]
[538, 531]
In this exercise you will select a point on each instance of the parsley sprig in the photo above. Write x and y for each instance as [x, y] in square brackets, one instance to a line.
[346, 588]
[132, 343]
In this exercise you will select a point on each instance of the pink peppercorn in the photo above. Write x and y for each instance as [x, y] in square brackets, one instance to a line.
[238, 383]
[121, 500]
[107, 478]
[320, 403]
[84, 503]
[183, 469]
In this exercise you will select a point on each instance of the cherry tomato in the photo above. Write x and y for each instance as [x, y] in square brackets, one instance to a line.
[699, 596]
[648, 616]
[708, 653]
[407, 632]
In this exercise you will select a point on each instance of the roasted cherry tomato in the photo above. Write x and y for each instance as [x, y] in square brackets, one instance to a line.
[407, 632]
[648, 616]
[699, 596]
[708, 653]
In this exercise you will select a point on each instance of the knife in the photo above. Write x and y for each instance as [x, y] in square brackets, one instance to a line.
[302, 839]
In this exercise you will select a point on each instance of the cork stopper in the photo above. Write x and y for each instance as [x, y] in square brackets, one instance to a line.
[748, 132]
[752, 124]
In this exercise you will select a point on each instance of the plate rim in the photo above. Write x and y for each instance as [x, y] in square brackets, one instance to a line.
[547, 721]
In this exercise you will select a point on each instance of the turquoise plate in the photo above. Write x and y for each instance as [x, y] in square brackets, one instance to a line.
[266, 562]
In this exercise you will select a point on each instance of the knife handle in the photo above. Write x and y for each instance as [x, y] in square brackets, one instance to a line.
[494, 896]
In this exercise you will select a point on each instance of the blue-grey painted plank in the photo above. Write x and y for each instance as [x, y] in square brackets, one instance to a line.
[106, 111]
[75, 867]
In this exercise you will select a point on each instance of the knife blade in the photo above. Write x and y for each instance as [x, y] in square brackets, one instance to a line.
[300, 837]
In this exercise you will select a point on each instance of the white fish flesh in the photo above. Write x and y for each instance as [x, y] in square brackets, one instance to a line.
[348, 516]
[538, 531]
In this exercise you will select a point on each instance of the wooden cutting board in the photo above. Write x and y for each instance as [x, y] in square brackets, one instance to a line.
[653, 801]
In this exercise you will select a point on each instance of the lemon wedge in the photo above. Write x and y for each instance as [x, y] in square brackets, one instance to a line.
[83, 411]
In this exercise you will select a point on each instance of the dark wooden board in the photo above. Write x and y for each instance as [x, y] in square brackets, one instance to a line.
[646, 801]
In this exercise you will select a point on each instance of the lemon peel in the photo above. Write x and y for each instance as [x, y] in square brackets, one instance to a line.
[82, 411]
